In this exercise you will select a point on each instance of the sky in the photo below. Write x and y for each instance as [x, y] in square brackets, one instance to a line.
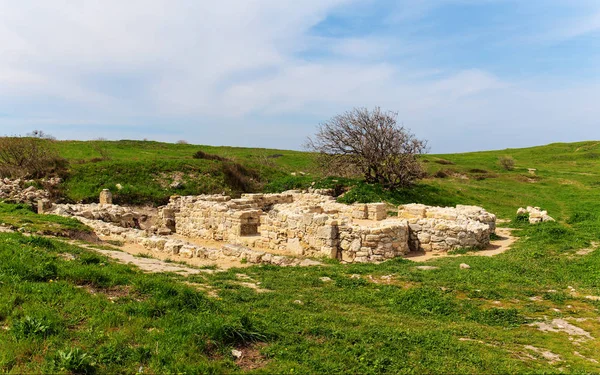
[466, 75]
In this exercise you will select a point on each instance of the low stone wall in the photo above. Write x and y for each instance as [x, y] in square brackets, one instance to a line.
[387, 240]
[305, 224]
[301, 224]
[440, 235]
[179, 248]
[442, 229]
[460, 214]
[536, 214]
[109, 213]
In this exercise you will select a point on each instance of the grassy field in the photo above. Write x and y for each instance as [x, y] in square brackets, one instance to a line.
[67, 309]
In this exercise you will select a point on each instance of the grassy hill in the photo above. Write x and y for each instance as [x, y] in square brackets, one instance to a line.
[65, 308]
[145, 170]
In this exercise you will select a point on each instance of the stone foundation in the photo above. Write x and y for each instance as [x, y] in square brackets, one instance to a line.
[442, 229]
[292, 223]
[309, 224]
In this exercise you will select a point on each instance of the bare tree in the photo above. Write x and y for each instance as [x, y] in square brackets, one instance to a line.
[41, 135]
[370, 143]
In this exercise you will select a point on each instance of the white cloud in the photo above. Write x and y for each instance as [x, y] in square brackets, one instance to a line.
[235, 64]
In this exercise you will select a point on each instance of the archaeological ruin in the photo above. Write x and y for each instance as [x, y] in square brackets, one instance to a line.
[288, 228]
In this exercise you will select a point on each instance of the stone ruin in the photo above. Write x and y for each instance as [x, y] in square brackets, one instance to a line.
[24, 191]
[286, 228]
[535, 214]
[316, 225]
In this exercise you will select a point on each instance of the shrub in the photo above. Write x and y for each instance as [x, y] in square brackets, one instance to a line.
[444, 162]
[239, 177]
[441, 173]
[522, 218]
[206, 156]
[182, 142]
[507, 162]
[30, 157]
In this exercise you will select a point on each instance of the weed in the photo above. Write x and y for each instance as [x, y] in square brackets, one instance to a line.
[499, 317]
[522, 218]
[31, 327]
[75, 361]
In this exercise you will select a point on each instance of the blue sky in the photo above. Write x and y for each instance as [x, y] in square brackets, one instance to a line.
[464, 74]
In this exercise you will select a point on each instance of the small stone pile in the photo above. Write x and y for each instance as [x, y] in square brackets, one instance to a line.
[17, 191]
[536, 214]
[109, 213]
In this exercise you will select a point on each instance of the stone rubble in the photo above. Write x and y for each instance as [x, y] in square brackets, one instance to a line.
[17, 191]
[109, 213]
[536, 214]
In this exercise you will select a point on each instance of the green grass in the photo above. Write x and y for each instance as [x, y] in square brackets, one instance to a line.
[122, 319]
[145, 169]
[22, 217]
[90, 314]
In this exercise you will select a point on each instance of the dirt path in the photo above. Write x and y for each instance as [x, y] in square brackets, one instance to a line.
[151, 265]
[503, 243]
[146, 264]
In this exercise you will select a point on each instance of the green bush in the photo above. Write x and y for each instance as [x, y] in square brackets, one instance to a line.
[507, 162]
[30, 157]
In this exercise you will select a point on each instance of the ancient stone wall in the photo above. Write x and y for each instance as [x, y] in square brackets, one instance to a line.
[460, 213]
[304, 224]
[179, 248]
[441, 229]
[295, 223]
[386, 240]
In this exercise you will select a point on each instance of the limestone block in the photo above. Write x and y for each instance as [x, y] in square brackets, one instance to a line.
[105, 197]
[294, 246]
[348, 257]
[43, 205]
[327, 232]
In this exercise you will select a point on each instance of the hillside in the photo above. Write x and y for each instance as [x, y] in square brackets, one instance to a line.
[145, 170]
[532, 309]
